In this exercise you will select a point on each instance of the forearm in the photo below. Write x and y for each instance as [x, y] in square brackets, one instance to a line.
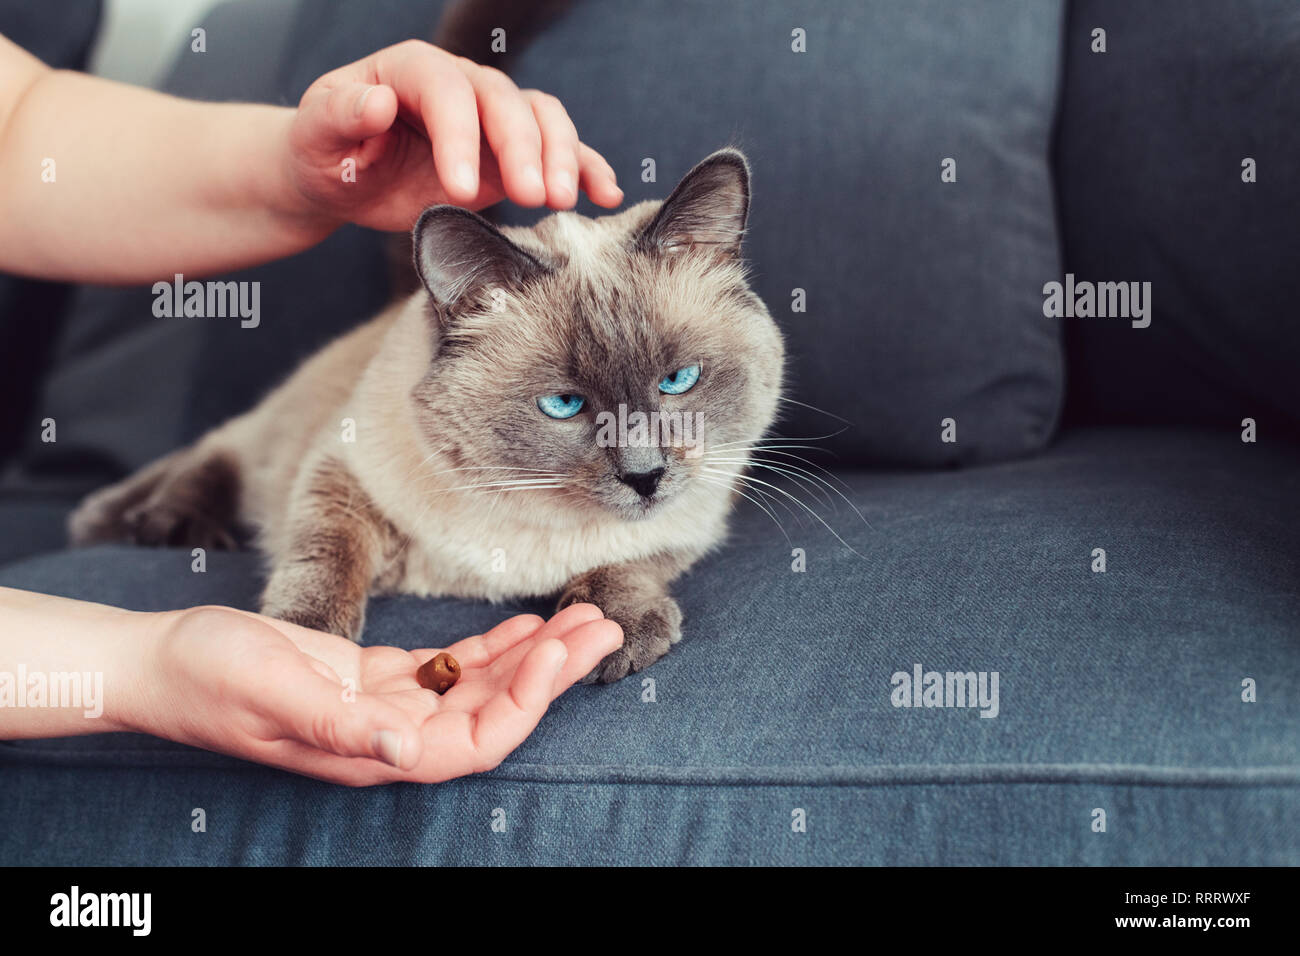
[71, 667]
[103, 182]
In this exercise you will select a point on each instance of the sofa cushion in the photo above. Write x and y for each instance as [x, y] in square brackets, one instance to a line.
[923, 297]
[1119, 690]
[31, 524]
[1153, 136]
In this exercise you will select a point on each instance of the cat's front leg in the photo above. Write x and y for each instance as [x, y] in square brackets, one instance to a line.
[335, 544]
[635, 595]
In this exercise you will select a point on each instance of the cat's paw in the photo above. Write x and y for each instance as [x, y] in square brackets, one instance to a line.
[181, 500]
[650, 628]
[162, 523]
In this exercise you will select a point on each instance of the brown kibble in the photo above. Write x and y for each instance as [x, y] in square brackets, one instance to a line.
[439, 674]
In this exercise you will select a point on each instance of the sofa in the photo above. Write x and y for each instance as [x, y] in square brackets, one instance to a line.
[1034, 265]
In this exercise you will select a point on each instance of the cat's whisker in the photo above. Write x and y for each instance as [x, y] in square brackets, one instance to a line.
[773, 499]
[807, 476]
[531, 471]
[824, 481]
[774, 450]
[761, 446]
[730, 486]
[750, 481]
[519, 482]
[781, 469]
[791, 401]
[783, 438]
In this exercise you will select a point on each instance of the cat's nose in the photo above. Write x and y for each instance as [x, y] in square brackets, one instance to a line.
[644, 483]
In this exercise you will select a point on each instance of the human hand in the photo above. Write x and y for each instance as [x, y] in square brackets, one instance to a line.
[413, 117]
[317, 704]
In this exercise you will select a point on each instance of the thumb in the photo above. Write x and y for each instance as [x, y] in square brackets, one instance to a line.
[322, 713]
[349, 113]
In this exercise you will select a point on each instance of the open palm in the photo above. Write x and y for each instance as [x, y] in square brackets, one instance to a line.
[317, 704]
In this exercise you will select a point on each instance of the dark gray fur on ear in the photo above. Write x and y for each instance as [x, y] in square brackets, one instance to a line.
[458, 252]
[706, 211]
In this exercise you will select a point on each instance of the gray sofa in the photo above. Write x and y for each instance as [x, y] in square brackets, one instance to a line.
[1100, 511]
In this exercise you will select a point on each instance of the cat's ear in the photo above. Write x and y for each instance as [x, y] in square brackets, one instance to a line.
[457, 252]
[707, 211]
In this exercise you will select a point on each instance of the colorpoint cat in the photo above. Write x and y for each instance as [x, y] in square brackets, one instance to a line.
[497, 450]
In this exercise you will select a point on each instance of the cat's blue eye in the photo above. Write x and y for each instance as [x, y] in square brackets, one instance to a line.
[682, 380]
[561, 406]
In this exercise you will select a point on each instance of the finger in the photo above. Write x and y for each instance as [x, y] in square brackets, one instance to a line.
[559, 150]
[597, 178]
[511, 129]
[587, 645]
[509, 717]
[482, 649]
[303, 705]
[306, 760]
[359, 111]
[432, 86]
[573, 616]
[348, 114]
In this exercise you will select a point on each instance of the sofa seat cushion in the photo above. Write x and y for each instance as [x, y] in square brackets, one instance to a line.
[1118, 690]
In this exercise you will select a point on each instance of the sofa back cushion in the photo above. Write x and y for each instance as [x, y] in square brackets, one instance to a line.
[1176, 164]
[905, 299]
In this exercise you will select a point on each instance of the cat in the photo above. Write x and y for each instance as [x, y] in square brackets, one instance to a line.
[477, 439]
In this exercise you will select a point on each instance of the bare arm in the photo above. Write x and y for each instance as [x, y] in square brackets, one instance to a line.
[261, 689]
[104, 182]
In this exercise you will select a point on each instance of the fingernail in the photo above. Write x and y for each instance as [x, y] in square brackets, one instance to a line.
[388, 745]
[533, 177]
[466, 179]
[564, 184]
[361, 100]
[564, 656]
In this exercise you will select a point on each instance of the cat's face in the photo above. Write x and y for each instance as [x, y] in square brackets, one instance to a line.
[592, 362]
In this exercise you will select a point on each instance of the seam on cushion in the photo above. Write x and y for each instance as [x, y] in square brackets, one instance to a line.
[905, 774]
[884, 774]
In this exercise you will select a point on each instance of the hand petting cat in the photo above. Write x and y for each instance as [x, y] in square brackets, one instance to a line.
[165, 185]
[379, 140]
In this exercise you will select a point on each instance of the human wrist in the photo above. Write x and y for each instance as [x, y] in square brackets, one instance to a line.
[256, 174]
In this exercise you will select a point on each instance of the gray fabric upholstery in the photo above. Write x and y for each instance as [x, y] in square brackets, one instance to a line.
[1119, 690]
[1152, 137]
